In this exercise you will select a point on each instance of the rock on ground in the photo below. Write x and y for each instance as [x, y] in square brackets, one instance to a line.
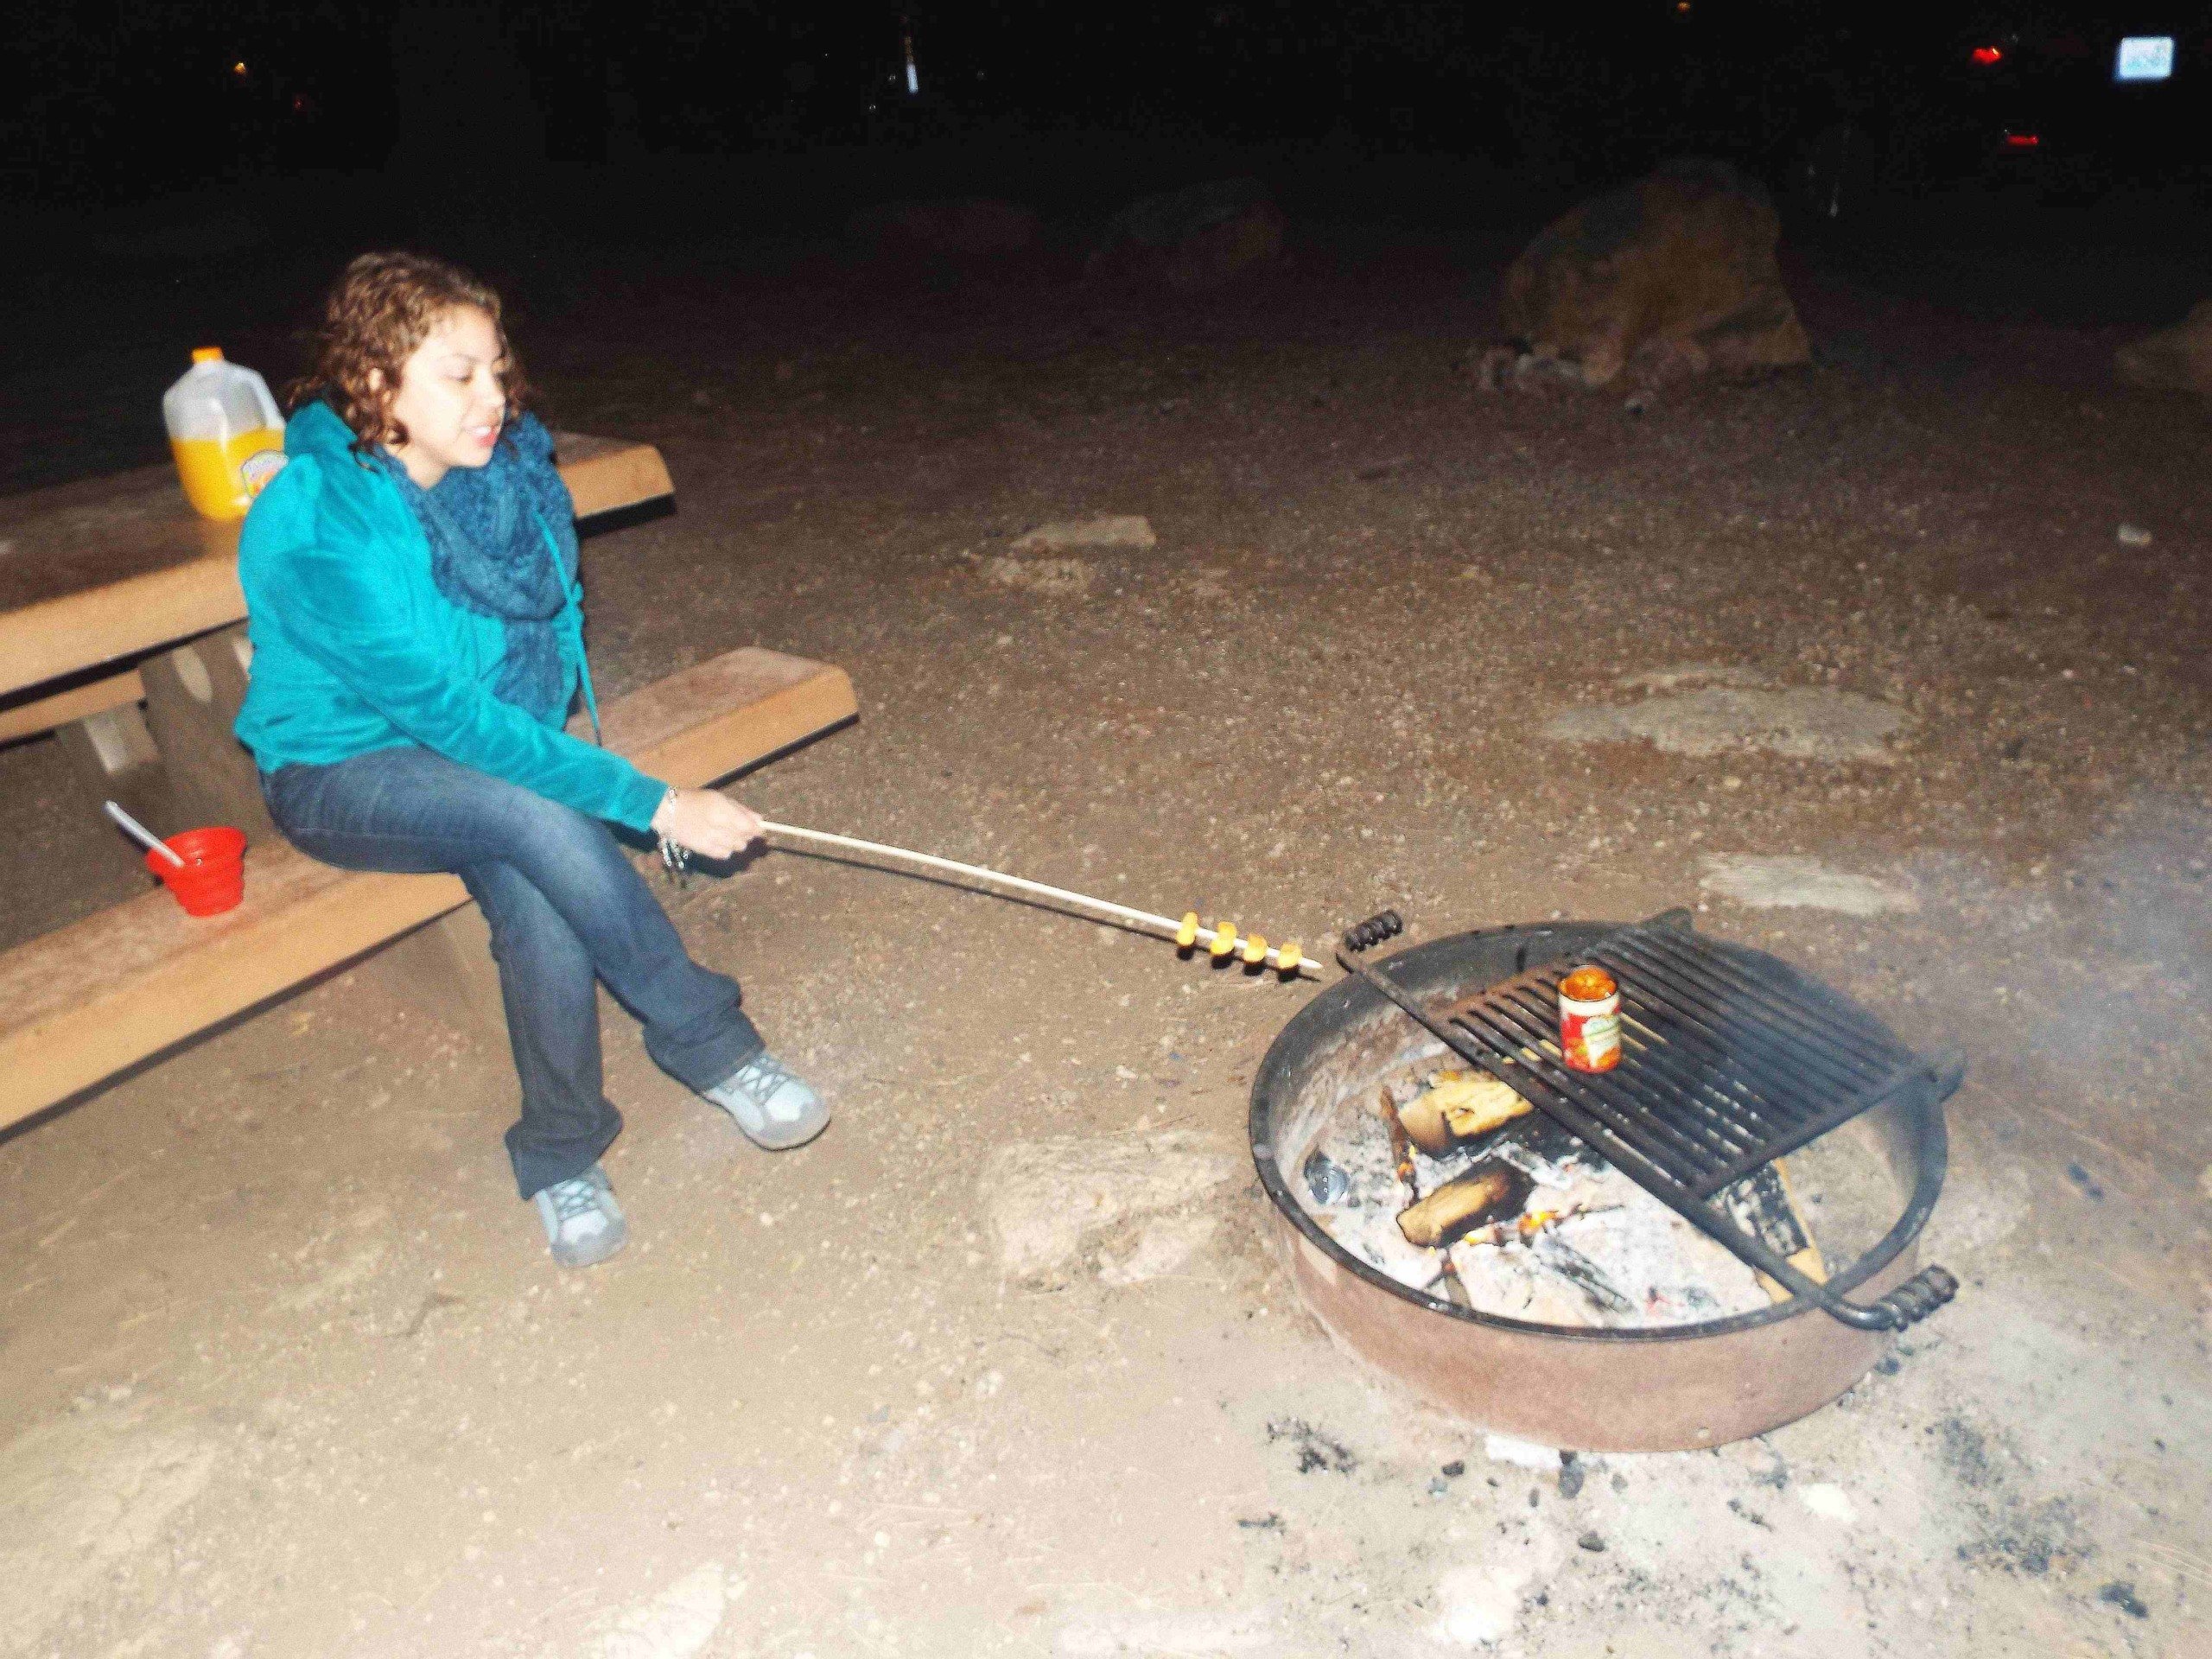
[1110, 530]
[1678, 268]
[1164, 1244]
[1784, 881]
[1193, 240]
[1678, 675]
[1829, 1502]
[1056, 578]
[1522, 1454]
[1045, 1197]
[2178, 358]
[1803, 722]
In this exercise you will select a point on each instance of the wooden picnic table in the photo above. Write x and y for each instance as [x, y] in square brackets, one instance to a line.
[114, 593]
[110, 566]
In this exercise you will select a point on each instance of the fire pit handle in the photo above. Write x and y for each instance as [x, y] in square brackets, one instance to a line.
[1365, 935]
[1919, 1296]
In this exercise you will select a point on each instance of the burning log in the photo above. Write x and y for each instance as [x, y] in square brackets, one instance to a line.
[1492, 1190]
[1401, 1157]
[1764, 1204]
[1459, 1106]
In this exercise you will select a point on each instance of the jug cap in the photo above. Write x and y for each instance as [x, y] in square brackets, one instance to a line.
[207, 354]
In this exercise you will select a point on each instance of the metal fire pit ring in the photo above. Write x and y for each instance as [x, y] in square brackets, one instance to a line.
[1665, 1389]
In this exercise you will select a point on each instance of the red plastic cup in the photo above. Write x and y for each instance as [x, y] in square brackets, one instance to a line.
[212, 878]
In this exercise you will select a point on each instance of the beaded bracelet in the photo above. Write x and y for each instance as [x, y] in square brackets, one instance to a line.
[674, 858]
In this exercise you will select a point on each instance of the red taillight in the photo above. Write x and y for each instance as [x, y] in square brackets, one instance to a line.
[2023, 140]
[1985, 55]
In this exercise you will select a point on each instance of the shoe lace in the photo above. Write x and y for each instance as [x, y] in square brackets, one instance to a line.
[578, 1196]
[761, 1076]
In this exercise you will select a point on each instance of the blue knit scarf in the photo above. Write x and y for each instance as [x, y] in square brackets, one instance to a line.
[487, 527]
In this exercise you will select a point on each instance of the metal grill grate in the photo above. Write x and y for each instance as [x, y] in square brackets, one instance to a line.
[1728, 1060]
[1722, 1069]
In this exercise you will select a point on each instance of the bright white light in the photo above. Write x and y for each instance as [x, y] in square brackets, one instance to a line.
[2145, 57]
[913, 81]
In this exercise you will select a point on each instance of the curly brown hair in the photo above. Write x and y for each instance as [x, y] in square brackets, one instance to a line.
[381, 308]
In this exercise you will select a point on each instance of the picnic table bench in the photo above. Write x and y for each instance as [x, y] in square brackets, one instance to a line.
[97, 574]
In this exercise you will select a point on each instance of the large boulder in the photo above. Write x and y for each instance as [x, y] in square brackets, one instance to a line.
[1191, 240]
[2178, 358]
[1678, 268]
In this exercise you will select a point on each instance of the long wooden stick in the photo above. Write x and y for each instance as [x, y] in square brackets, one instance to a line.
[1140, 921]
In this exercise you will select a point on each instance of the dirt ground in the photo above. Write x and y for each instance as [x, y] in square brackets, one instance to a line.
[287, 1372]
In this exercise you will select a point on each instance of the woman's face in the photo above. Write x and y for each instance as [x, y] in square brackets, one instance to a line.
[451, 401]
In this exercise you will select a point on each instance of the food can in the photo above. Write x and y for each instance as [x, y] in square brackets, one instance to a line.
[1589, 1020]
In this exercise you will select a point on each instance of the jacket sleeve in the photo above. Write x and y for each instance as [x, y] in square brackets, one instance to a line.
[357, 626]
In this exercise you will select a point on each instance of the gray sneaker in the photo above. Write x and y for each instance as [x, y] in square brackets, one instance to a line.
[774, 1109]
[583, 1224]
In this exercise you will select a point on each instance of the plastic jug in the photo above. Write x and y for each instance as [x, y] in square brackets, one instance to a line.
[225, 432]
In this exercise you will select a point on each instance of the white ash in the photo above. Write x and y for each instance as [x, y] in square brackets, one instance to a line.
[1373, 1237]
[1667, 1271]
[1364, 1220]
[1616, 1257]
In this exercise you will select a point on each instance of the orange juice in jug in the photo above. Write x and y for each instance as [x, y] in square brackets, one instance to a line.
[225, 432]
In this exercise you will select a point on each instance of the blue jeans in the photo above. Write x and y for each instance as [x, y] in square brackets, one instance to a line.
[567, 909]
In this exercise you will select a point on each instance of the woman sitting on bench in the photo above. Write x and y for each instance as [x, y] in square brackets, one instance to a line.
[410, 582]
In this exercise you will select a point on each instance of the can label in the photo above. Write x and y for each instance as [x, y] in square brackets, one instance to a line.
[1589, 1020]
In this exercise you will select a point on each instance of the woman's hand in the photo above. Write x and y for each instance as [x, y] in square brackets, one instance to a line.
[705, 822]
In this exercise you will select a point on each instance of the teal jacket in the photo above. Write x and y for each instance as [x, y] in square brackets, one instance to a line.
[355, 649]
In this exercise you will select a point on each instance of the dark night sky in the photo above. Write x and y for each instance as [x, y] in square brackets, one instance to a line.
[108, 101]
